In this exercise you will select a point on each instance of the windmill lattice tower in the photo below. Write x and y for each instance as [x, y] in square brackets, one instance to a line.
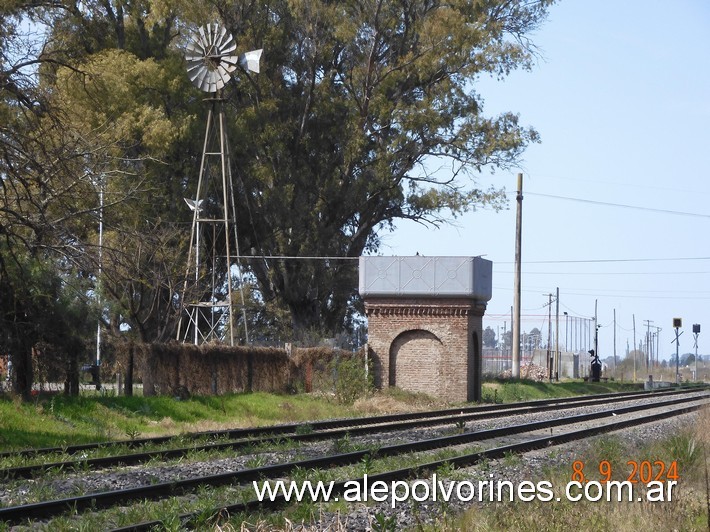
[207, 303]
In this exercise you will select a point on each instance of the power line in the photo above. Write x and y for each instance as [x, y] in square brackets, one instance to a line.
[617, 181]
[595, 290]
[601, 293]
[587, 261]
[574, 312]
[595, 261]
[617, 295]
[292, 257]
[607, 273]
[621, 205]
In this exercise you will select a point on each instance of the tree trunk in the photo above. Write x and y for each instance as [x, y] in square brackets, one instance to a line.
[22, 369]
[129, 371]
[305, 318]
[71, 384]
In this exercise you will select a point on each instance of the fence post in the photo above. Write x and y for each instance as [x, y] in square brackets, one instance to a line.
[250, 371]
[309, 376]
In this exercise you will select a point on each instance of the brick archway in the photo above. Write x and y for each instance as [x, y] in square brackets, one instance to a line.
[424, 319]
[407, 328]
[415, 361]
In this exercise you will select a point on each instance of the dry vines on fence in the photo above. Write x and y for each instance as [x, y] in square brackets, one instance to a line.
[209, 369]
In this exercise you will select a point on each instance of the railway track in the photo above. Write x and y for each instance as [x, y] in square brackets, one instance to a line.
[241, 439]
[420, 470]
[671, 404]
[294, 428]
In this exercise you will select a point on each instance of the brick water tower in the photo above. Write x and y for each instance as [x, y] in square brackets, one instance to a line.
[425, 321]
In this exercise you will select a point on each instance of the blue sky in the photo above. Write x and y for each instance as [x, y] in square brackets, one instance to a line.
[617, 193]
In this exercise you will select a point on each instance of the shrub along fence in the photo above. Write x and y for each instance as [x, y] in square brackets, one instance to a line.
[211, 369]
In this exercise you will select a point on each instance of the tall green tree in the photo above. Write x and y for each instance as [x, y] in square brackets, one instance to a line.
[43, 208]
[68, 132]
[134, 106]
[366, 112]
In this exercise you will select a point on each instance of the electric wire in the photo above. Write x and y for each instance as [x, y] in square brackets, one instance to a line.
[620, 205]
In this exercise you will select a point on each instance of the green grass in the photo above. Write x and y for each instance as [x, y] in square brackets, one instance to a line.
[687, 511]
[510, 391]
[59, 420]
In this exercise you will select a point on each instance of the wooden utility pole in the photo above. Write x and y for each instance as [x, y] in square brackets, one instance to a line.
[633, 353]
[557, 334]
[596, 329]
[549, 336]
[516, 282]
[614, 343]
[649, 356]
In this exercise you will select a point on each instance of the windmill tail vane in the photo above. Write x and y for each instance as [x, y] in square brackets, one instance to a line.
[250, 60]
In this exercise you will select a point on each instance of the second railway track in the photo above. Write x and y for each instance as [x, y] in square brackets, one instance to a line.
[241, 439]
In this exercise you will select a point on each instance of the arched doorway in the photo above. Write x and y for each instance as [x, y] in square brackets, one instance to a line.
[415, 361]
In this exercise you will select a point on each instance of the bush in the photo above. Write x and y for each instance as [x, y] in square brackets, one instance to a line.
[352, 380]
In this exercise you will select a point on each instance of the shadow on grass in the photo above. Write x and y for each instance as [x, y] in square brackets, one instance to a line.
[12, 439]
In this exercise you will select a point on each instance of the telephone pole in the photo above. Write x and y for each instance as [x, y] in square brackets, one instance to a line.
[633, 353]
[557, 334]
[549, 336]
[596, 329]
[657, 336]
[516, 283]
[614, 343]
[649, 358]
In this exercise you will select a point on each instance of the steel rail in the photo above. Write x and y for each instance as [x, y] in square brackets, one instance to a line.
[167, 454]
[420, 470]
[46, 509]
[292, 428]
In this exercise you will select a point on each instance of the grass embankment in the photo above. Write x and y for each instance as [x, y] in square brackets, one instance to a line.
[687, 508]
[502, 391]
[58, 420]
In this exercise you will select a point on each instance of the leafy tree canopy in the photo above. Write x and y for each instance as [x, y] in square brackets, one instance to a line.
[365, 113]
[489, 338]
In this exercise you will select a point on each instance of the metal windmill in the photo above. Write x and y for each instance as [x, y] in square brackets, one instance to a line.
[207, 305]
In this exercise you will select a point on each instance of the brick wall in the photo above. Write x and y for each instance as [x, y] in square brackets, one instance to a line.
[416, 361]
[427, 345]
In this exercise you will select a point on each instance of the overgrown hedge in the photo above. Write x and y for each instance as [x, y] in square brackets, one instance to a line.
[210, 369]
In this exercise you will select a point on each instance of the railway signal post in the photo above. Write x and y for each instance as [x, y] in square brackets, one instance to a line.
[696, 332]
[677, 324]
